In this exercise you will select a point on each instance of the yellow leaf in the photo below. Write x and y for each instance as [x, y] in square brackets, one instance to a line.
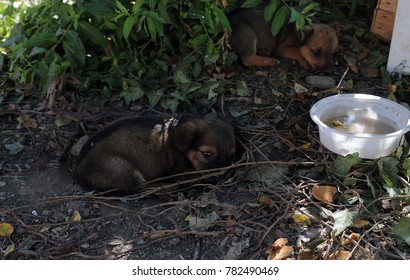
[6, 230]
[300, 218]
[60, 121]
[76, 216]
[348, 84]
[307, 145]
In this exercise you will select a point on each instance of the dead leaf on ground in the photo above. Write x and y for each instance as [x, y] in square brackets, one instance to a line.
[6, 230]
[264, 200]
[279, 250]
[360, 223]
[349, 241]
[324, 193]
[261, 73]
[340, 255]
[307, 256]
[28, 122]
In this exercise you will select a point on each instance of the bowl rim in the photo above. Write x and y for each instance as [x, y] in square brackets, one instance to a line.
[362, 96]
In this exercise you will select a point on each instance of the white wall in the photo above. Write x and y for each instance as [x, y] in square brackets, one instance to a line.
[399, 56]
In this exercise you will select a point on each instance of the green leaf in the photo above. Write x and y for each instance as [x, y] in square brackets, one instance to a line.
[42, 39]
[279, 20]
[92, 33]
[270, 10]
[406, 166]
[14, 148]
[137, 6]
[402, 229]
[74, 49]
[73, 15]
[152, 29]
[154, 97]
[388, 170]
[123, 10]
[342, 165]
[170, 104]
[295, 16]
[342, 220]
[309, 7]
[251, 3]
[181, 78]
[243, 89]
[110, 25]
[36, 50]
[154, 16]
[199, 40]
[220, 15]
[208, 18]
[128, 25]
[132, 95]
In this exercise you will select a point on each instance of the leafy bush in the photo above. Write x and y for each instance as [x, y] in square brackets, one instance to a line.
[153, 49]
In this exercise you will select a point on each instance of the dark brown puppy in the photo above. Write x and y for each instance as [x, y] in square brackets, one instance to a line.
[129, 152]
[252, 39]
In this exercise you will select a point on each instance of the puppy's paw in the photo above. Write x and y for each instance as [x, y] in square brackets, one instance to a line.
[306, 65]
[256, 60]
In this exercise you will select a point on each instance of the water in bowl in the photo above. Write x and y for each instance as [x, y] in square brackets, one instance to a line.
[361, 124]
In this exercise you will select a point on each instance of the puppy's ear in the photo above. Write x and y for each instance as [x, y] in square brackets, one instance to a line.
[304, 34]
[184, 134]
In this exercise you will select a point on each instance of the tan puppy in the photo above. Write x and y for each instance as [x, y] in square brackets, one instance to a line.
[252, 39]
[129, 152]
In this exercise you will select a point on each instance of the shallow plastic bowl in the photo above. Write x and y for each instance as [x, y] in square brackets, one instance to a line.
[380, 111]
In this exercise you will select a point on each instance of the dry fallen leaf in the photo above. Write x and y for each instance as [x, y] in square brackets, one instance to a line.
[360, 223]
[280, 242]
[261, 73]
[324, 193]
[281, 253]
[307, 256]
[279, 250]
[340, 255]
[264, 200]
[76, 216]
[29, 122]
[349, 241]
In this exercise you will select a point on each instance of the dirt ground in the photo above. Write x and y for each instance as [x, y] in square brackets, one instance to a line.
[244, 209]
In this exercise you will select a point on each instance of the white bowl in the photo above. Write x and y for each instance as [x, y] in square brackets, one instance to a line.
[374, 125]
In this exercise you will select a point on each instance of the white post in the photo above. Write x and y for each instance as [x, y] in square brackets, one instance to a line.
[399, 55]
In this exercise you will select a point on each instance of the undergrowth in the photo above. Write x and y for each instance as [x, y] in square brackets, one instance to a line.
[154, 50]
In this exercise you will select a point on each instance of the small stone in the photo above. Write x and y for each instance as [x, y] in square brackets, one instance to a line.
[320, 81]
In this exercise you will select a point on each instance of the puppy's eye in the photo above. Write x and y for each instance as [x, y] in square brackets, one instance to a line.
[207, 155]
[317, 53]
